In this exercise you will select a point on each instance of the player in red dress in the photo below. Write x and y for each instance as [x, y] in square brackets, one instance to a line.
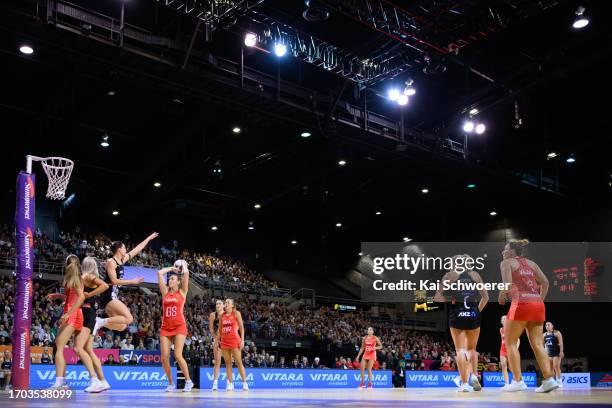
[214, 318]
[71, 322]
[529, 287]
[173, 329]
[232, 342]
[369, 345]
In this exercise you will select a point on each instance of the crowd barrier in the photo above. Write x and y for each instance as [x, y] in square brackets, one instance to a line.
[262, 378]
[119, 377]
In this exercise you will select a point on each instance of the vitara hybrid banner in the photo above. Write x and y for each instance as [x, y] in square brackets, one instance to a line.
[24, 225]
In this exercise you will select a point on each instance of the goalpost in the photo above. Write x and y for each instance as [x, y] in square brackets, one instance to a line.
[58, 171]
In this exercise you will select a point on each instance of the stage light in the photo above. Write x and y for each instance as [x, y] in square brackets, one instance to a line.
[294, 242]
[493, 213]
[402, 100]
[251, 226]
[468, 126]
[406, 239]
[571, 159]
[115, 213]
[105, 142]
[341, 162]
[280, 49]
[157, 184]
[552, 155]
[378, 213]
[111, 93]
[393, 94]
[26, 49]
[473, 111]
[360, 254]
[250, 39]
[338, 225]
[305, 134]
[471, 185]
[214, 228]
[425, 190]
[236, 130]
[409, 91]
[480, 128]
[581, 20]
[257, 206]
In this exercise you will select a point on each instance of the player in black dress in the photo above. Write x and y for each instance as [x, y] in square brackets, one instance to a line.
[464, 320]
[553, 341]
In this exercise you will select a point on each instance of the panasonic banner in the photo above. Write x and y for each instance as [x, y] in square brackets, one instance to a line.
[496, 379]
[262, 378]
[119, 377]
[24, 246]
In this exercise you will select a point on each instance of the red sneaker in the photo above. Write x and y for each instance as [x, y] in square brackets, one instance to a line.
[362, 385]
[370, 385]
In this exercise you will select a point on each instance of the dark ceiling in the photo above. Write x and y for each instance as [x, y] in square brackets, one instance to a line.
[173, 125]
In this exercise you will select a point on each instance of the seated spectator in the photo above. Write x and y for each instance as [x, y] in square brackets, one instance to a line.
[5, 370]
[110, 360]
[316, 363]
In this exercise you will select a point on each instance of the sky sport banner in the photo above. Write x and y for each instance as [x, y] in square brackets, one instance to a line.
[262, 378]
[144, 357]
[24, 225]
[496, 379]
[413, 271]
[119, 377]
[601, 380]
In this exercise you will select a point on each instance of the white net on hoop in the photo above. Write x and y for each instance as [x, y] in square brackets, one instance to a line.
[58, 171]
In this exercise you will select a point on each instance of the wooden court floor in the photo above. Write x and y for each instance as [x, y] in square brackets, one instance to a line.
[357, 398]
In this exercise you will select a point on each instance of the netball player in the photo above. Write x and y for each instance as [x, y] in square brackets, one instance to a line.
[466, 306]
[232, 343]
[369, 345]
[173, 329]
[529, 287]
[119, 315]
[70, 322]
[553, 341]
[213, 320]
[93, 286]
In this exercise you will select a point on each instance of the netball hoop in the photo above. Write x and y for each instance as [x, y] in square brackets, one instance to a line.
[58, 171]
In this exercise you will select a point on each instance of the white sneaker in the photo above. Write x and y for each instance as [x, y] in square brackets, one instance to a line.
[171, 388]
[560, 382]
[245, 386]
[547, 385]
[457, 381]
[99, 324]
[229, 386]
[95, 387]
[516, 386]
[105, 385]
[59, 387]
[465, 388]
[475, 383]
[188, 386]
[215, 386]
[504, 387]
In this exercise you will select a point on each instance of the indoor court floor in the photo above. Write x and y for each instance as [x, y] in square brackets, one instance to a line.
[413, 397]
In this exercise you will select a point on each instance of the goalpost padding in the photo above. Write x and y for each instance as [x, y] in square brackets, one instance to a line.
[24, 246]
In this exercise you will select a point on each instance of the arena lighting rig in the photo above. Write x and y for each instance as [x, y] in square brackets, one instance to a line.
[426, 34]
